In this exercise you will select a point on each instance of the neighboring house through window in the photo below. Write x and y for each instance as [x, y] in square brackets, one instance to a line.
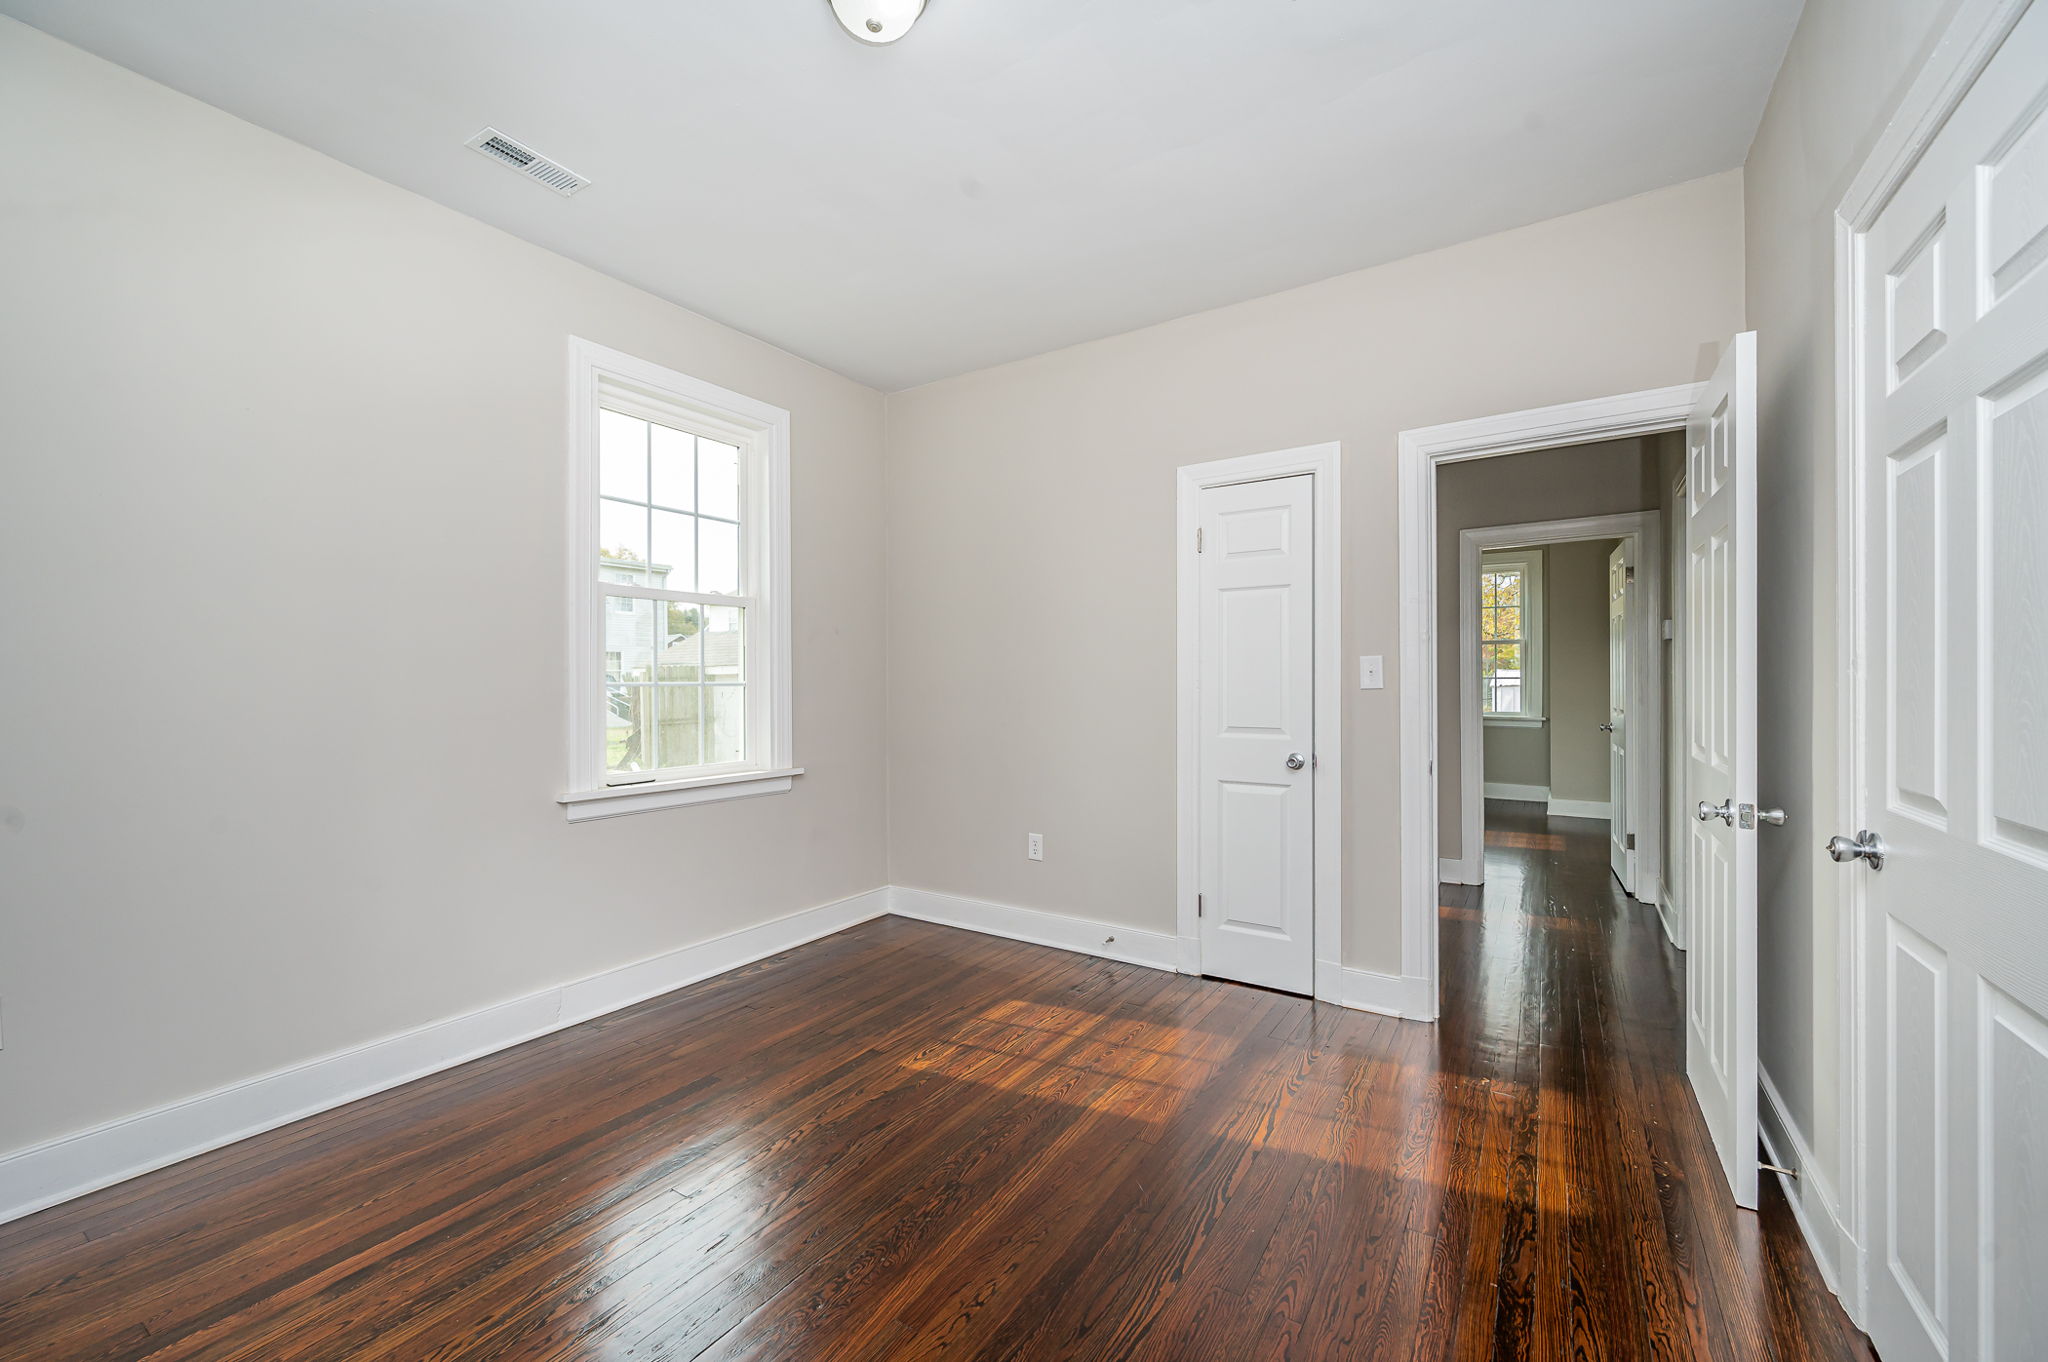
[680, 637]
[1510, 638]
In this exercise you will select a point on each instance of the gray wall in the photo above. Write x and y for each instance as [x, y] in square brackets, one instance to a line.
[1576, 580]
[1848, 64]
[270, 423]
[1031, 594]
[1550, 484]
[1516, 754]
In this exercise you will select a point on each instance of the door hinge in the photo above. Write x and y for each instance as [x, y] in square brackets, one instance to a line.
[1628, 574]
[1631, 846]
[1198, 539]
[1198, 905]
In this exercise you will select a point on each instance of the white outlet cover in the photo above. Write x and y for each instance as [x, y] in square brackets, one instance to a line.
[1372, 673]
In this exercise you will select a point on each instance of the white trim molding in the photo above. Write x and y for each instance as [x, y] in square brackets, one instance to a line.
[1325, 463]
[1419, 453]
[1669, 912]
[1390, 995]
[668, 794]
[612, 380]
[1815, 1206]
[1972, 38]
[1110, 940]
[1590, 808]
[87, 1160]
[1525, 794]
[1461, 870]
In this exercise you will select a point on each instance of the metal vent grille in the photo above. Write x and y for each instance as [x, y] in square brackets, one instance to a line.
[527, 161]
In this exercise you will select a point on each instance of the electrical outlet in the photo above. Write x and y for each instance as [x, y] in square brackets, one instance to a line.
[1034, 845]
[1372, 673]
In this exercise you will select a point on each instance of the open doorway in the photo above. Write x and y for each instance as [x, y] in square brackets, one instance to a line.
[1614, 456]
[1560, 670]
[1556, 655]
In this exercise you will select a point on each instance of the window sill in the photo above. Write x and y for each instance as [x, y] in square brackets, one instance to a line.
[1513, 720]
[668, 794]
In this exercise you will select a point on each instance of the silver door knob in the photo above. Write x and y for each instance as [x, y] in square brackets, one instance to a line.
[1295, 761]
[1607, 728]
[1726, 812]
[1865, 846]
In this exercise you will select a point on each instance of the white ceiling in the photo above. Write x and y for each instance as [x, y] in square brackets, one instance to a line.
[1015, 175]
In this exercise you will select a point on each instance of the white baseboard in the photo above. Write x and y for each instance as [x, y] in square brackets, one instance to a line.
[1390, 995]
[1461, 870]
[72, 1165]
[1110, 940]
[1528, 794]
[1581, 808]
[1814, 1203]
[1669, 913]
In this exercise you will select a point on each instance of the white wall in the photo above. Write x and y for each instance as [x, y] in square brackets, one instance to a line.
[1031, 566]
[281, 560]
[1848, 64]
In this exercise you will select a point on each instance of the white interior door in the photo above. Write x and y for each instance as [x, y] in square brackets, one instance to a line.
[1953, 360]
[1257, 753]
[1621, 850]
[1720, 760]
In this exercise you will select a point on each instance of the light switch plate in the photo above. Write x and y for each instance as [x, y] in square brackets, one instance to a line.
[1372, 673]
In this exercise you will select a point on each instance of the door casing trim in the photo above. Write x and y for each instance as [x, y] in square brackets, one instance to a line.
[1646, 680]
[1325, 463]
[1419, 453]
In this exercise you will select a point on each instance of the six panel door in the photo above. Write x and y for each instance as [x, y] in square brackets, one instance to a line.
[1953, 373]
[1257, 713]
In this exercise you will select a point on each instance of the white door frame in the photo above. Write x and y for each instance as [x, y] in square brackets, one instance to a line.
[1966, 46]
[1644, 531]
[1324, 462]
[1420, 452]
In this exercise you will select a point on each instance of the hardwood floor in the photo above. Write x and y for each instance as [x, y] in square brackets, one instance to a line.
[907, 1141]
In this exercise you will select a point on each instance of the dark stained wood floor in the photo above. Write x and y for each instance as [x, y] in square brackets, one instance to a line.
[907, 1141]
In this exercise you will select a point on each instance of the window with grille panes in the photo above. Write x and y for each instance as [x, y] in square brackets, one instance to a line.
[681, 642]
[1510, 605]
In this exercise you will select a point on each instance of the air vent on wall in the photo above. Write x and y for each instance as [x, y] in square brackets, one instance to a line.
[527, 161]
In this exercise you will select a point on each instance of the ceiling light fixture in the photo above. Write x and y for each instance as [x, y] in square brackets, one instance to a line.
[877, 21]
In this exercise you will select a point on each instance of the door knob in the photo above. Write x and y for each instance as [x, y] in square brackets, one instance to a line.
[1865, 846]
[1726, 812]
[1607, 728]
[1295, 761]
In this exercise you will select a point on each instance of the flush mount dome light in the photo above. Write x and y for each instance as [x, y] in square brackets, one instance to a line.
[877, 21]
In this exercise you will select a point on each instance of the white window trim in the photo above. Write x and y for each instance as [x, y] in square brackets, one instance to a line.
[1534, 680]
[762, 432]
